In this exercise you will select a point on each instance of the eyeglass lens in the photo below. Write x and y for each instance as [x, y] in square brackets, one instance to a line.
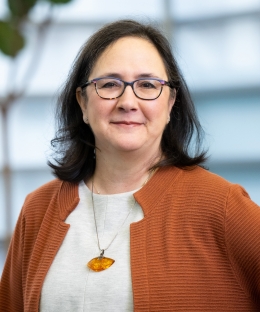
[112, 88]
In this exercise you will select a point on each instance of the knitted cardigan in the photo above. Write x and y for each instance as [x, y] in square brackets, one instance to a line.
[197, 248]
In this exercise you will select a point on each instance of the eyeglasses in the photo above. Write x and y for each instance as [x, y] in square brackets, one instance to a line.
[110, 88]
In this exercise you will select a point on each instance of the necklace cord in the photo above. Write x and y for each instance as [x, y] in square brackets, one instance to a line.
[102, 250]
[94, 213]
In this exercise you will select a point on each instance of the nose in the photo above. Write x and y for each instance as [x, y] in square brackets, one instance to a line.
[127, 101]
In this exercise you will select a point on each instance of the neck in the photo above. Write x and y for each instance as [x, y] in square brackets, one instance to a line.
[121, 173]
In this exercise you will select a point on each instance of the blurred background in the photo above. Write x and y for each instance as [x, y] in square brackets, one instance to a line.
[217, 45]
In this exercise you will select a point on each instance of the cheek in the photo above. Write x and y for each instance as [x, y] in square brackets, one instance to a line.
[99, 109]
[157, 111]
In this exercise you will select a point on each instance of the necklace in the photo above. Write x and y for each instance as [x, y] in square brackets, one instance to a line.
[102, 263]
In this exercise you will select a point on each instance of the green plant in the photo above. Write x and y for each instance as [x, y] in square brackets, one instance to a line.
[12, 39]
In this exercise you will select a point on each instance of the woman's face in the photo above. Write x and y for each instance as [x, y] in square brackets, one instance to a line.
[127, 123]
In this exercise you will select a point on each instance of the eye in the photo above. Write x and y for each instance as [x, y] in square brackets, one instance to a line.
[108, 84]
[147, 84]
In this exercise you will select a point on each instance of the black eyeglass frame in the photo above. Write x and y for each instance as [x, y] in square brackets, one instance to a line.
[131, 83]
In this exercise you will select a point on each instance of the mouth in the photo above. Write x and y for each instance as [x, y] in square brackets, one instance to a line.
[127, 123]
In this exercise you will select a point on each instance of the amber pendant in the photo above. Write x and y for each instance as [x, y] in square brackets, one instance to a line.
[100, 263]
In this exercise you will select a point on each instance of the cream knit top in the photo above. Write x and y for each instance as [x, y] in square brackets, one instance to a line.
[70, 285]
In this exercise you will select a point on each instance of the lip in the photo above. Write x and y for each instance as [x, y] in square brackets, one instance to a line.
[127, 123]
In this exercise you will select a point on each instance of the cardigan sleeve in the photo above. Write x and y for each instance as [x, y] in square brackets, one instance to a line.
[11, 285]
[242, 227]
[19, 286]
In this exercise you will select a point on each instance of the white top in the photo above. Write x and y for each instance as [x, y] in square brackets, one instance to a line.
[70, 285]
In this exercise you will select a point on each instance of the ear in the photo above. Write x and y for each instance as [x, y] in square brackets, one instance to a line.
[171, 101]
[82, 102]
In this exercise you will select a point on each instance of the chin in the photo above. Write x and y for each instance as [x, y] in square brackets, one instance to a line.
[131, 148]
[127, 146]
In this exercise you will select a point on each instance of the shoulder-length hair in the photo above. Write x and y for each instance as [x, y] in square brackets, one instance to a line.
[74, 142]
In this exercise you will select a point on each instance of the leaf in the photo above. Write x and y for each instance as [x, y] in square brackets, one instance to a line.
[59, 1]
[11, 40]
[21, 8]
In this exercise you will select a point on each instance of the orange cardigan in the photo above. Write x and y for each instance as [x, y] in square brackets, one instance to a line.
[197, 248]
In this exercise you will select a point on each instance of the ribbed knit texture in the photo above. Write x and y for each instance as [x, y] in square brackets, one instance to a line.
[197, 248]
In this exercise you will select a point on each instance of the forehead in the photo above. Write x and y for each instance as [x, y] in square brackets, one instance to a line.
[130, 56]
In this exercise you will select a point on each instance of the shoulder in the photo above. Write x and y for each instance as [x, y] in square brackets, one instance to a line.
[195, 178]
[203, 177]
[204, 186]
[194, 186]
[44, 193]
[56, 195]
[202, 180]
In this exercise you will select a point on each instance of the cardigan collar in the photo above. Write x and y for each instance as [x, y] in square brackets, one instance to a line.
[147, 196]
[68, 198]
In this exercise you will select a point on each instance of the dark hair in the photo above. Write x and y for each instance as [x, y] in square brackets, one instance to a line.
[74, 142]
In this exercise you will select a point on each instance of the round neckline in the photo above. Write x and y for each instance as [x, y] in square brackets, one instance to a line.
[124, 194]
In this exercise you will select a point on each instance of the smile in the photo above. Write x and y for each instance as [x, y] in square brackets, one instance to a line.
[127, 123]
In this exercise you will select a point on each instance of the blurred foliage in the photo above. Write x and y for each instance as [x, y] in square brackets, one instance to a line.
[12, 39]
[20, 8]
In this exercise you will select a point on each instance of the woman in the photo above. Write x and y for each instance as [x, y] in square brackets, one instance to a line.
[126, 122]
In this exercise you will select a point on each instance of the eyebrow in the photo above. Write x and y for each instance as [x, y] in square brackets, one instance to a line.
[117, 75]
